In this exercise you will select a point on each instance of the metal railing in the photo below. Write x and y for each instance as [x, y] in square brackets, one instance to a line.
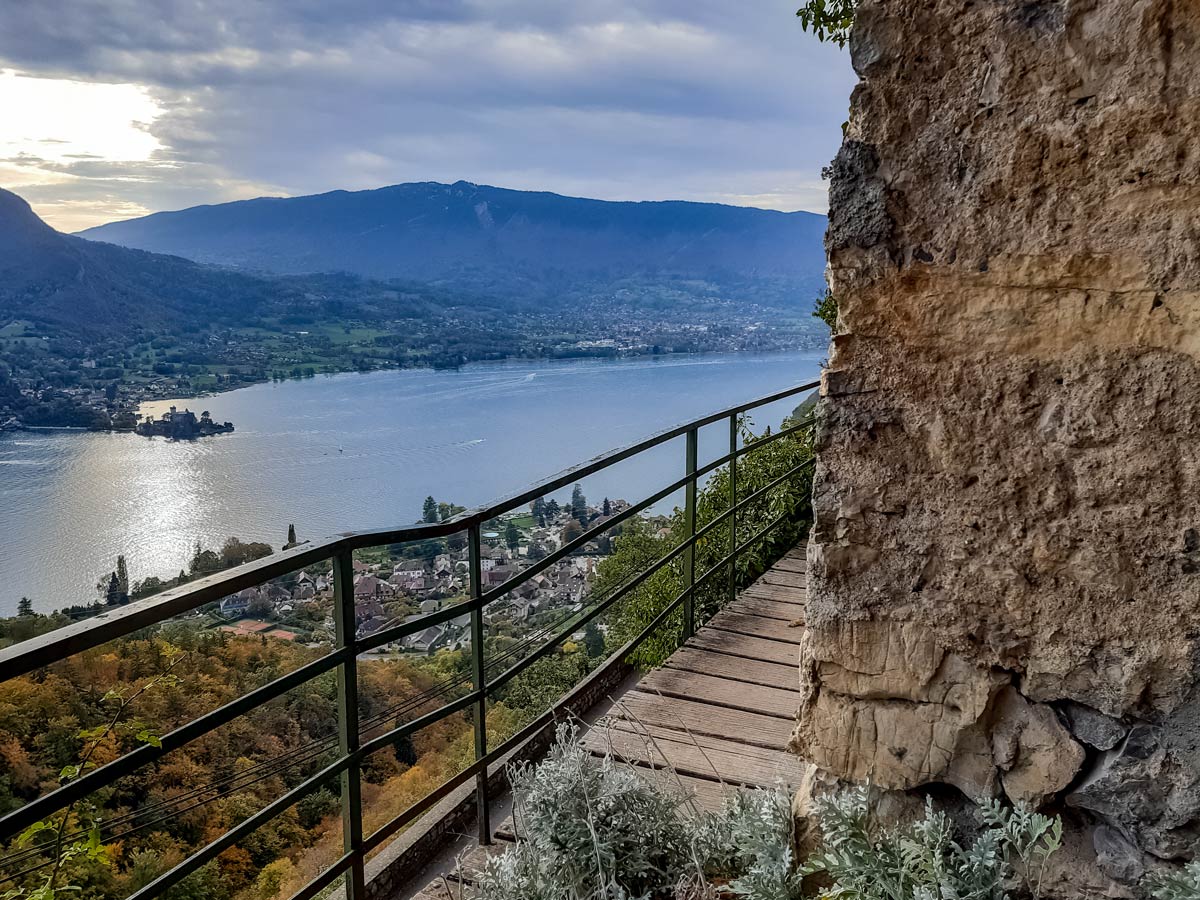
[39, 652]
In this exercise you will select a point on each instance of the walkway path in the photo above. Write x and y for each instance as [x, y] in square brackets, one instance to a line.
[719, 711]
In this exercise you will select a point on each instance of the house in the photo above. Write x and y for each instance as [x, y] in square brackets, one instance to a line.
[369, 587]
[367, 608]
[238, 604]
[426, 641]
[407, 579]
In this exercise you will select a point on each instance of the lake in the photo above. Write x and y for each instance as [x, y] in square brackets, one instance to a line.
[349, 452]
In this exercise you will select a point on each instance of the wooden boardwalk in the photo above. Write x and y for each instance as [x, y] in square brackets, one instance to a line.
[719, 711]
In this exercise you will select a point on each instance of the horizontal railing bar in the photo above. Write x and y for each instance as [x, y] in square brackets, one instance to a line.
[34, 653]
[506, 746]
[326, 878]
[30, 655]
[601, 607]
[399, 632]
[742, 546]
[38, 809]
[38, 652]
[760, 442]
[215, 848]
[35, 810]
[750, 498]
[566, 549]
[605, 460]
[390, 737]
[405, 629]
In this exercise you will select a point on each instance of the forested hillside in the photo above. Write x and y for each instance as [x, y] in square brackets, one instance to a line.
[489, 239]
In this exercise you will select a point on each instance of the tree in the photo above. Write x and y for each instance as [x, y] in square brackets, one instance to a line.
[25, 607]
[607, 508]
[291, 541]
[539, 511]
[829, 20]
[430, 511]
[112, 596]
[123, 578]
[535, 551]
[571, 531]
[593, 640]
[512, 536]
[552, 509]
[579, 504]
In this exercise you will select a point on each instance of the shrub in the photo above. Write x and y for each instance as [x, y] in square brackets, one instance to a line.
[923, 861]
[594, 828]
[1181, 885]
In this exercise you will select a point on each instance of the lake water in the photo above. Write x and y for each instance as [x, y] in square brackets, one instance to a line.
[348, 452]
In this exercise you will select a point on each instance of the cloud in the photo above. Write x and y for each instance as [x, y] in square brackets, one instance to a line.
[641, 99]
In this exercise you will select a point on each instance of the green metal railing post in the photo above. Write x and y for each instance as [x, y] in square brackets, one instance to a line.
[479, 681]
[689, 531]
[345, 635]
[733, 542]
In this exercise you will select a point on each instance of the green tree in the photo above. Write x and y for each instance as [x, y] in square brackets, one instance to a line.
[112, 596]
[123, 577]
[593, 640]
[430, 511]
[579, 504]
[539, 511]
[25, 607]
[829, 20]
[512, 536]
[291, 538]
[606, 509]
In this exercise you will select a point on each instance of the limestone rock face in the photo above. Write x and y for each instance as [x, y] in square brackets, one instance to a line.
[1004, 572]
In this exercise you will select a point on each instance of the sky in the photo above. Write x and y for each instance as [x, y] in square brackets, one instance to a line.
[111, 109]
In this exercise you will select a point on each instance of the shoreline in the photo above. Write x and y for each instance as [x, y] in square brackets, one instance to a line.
[158, 406]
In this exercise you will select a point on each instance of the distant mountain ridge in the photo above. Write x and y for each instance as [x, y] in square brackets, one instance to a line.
[87, 289]
[482, 236]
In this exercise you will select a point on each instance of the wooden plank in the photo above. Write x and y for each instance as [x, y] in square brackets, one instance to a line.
[745, 647]
[785, 593]
[756, 626]
[506, 830]
[703, 718]
[699, 756]
[754, 698]
[784, 577]
[753, 671]
[468, 863]
[776, 593]
[752, 605]
[436, 890]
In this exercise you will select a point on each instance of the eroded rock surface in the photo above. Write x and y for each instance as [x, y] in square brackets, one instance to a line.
[1004, 573]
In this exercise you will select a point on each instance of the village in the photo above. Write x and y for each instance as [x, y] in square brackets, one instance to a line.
[390, 590]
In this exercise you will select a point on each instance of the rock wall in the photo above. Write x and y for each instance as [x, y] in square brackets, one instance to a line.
[1004, 572]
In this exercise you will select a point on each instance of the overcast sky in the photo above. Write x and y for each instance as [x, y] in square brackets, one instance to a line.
[115, 108]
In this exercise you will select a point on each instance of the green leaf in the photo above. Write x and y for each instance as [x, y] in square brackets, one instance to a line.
[32, 831]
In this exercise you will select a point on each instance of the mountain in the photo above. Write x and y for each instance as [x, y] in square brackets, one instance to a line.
[86, 290]
[487, 238]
